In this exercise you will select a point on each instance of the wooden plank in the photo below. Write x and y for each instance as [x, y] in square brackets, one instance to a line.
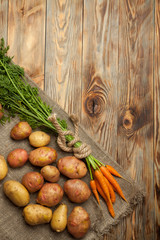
[26, 36]
[63, 54]
[3, 19]
[135, 117]
[100, 69]
[157, 120]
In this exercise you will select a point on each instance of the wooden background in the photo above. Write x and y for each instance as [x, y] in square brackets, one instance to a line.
[100, 60]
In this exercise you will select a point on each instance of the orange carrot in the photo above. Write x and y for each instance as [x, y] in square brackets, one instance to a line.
[111, 191]
[113, 171]
[94, 190]
[109, 204]
[112, 180]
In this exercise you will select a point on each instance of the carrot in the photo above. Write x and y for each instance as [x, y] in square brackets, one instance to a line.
[100, 178]
[94, 190]
[109, 204]
[112, 180]
[111, 191]
[115, 173]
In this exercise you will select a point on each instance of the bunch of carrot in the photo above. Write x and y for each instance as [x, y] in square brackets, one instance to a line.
[103, 183]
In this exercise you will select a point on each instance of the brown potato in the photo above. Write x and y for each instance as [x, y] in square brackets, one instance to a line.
[1, 113]
[59, 218]
[39, 139]
[50, 173]
[17, 158]
[21, 131]
[35, 214]
[42, 156]
[3, 168]
[16, 192]
[72, 167]
[77, 190]
[50, 194]
[33, 181]
[78, 222]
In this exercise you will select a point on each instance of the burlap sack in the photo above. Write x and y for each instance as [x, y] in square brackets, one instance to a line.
[12, 224]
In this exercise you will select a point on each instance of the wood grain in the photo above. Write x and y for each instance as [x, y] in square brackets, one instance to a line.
[63, 54]
[3, 19]
[26, 36]
[135, 99]
[157, 120]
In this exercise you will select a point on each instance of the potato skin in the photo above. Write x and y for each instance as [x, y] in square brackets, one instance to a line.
[3, 168]
[77, 190]
[50, 194]
[16, 192]
[33, 181]
[21, 131]
[39, 139]
[35, 214]
[42, 156]
[72, 167]
[78, 222]
[1, 113]
[50, 173]
[17, 158]
[59, 218]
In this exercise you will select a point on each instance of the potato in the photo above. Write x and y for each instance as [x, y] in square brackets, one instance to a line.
[35, 214]
[42, 156]
[50, 194]
[39, 139]
[17, 158]
[1, 113]
[50, 173]
[77, 190]
[3, 168]
[33, 181]
[21, 131]
[16, 192]
[78, 222]
[59, 218]
[72, 167]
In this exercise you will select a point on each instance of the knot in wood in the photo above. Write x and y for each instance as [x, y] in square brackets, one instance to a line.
[128, 120]
[94, 105]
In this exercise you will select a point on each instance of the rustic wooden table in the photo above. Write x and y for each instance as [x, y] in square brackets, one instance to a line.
[100, 60]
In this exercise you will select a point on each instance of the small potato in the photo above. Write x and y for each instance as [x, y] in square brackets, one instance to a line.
[39, 139]
[16, 192]
[42, 156]
[17, 158]
[21, 131]
[50, 194]
[59, 218]
[72, 167]
[1, 113]
[77, 190]
[33, 181]
[50, 173]
[78, 222]
[3, 168]
[35, 214]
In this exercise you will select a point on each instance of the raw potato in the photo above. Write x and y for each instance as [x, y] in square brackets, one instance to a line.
[39, 139]
[50, 194]
[17, 158]
[78, 222]
[21, 131]
[50, 173]
[16, 192]
[33, 181]
[1, 113]
[35, 214]
[42, 156]
[77, 190]
[3, 168]
[72, 167]
[59, 218]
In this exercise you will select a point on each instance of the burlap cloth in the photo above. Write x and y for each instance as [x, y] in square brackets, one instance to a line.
[12, 224]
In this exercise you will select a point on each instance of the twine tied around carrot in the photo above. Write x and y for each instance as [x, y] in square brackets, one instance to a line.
[83, 151]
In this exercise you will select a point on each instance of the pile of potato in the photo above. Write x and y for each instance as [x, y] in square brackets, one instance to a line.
[45, 183]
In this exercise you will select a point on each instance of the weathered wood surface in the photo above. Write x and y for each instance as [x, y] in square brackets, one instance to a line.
[100, 60]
